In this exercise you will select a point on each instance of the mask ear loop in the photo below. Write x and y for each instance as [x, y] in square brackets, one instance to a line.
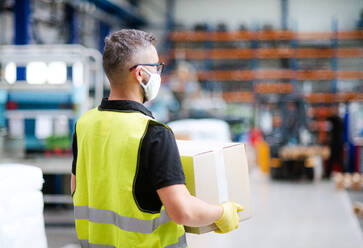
[143, 86]
[148, 72]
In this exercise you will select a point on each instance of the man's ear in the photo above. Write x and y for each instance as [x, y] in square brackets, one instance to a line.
[141, 75]
[138, 73]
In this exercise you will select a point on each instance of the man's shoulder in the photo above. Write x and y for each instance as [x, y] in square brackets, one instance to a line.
[159, 133]
[87, 114]
[157, 127]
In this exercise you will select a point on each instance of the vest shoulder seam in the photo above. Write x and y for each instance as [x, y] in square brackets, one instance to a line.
[137, 172]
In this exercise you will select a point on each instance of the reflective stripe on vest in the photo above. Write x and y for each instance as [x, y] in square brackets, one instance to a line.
[182, 243]
[122, 222]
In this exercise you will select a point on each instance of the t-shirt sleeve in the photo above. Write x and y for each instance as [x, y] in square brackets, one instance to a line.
[75, 152]
[164, 167]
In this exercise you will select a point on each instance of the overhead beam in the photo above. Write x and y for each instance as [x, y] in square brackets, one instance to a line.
[127, 13]
[104, 30]
[72, 22]
[284, 14]
[22, 21]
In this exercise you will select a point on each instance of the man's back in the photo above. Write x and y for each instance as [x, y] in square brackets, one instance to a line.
[106, 211]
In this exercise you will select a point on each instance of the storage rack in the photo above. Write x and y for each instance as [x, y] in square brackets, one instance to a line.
[183, 40]
[250, 82]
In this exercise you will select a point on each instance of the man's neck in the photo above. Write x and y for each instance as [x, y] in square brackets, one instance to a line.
[116, 95]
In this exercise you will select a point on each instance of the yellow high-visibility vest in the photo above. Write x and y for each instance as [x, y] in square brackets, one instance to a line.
[106, 211]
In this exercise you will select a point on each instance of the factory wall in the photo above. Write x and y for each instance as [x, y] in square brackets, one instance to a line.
[312, 15]
[307, 15]
[155, 12]
[120, 2]
[248, 12]
[6, 33]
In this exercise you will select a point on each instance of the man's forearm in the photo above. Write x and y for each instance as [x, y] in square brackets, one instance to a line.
[200, 213]
[185, 209]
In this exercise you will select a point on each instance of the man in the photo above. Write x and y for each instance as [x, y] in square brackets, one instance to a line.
[128, 184]
[336, 143]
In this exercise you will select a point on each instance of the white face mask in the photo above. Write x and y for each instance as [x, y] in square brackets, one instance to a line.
[152, 86]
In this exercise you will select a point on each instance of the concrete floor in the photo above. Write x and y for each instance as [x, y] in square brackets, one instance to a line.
[285, 214]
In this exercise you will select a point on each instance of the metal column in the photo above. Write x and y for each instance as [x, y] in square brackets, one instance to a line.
[72, 22]
[104, 31]
[169, 20]
[294, 65]
[334, 60]
[22, 23]
[284, 14]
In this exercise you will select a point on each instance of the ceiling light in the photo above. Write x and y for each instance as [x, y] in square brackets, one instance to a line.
[10, 73]
[36, 72]
[57, 72]
[77, 74]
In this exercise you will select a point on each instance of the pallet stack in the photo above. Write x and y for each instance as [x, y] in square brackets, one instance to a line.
[302, 152]
[358, 209]
[349, 181]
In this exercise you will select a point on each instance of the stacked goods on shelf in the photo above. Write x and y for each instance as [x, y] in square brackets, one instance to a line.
[57, 146]
[358, 209]
[296, 162]
[274, 87]
[303, 152]
[353, 181]
[349, 181]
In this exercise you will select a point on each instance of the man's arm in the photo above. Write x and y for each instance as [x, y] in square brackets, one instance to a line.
[185, 209]
[74, 163]
[167, 177]
[73, 183]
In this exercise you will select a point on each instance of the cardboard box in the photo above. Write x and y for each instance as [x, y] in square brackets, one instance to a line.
[216, 173]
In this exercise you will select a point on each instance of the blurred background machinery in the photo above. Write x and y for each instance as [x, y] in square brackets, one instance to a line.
[285, 77]
[45, 89]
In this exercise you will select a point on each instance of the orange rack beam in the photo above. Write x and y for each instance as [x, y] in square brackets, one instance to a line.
[245, 96]
[248, 75]
[331, 98]
[274, 88]
[265, 53]
[210, 36]
[238, 96]
[349, 74]
[197, 36]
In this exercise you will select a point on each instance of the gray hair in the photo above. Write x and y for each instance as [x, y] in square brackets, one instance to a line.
[121, 45]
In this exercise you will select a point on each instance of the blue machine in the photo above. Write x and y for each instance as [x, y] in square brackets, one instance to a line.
[60, 82]
[31, 105]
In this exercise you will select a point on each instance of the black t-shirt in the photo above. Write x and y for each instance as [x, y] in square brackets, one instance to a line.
[159, 161]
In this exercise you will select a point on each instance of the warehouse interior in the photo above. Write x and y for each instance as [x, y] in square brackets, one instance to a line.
[283, 77]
